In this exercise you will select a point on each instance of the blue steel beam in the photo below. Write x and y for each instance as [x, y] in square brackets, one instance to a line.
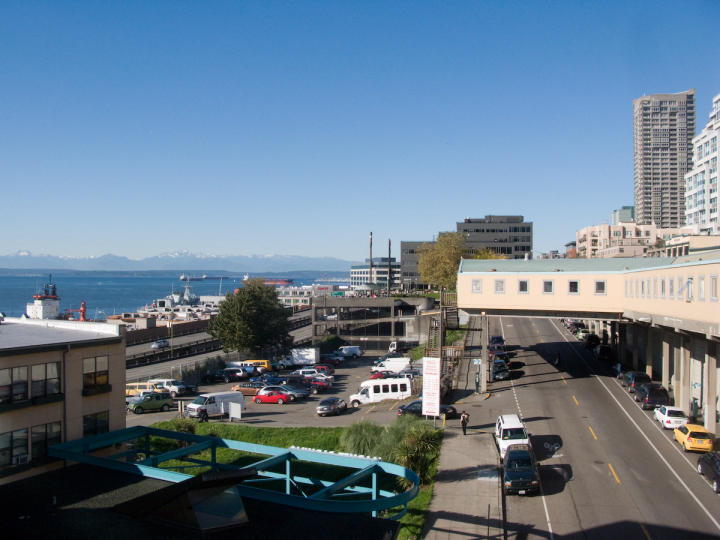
[179, 452]
[347, 481]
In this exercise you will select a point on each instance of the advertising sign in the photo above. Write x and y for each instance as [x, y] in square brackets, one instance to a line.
[431, 387]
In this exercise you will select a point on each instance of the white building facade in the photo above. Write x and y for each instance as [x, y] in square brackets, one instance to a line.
[701, 185]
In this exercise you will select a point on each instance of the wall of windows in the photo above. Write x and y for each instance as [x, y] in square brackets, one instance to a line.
[94, 424]
[95, 371]
[13, 384]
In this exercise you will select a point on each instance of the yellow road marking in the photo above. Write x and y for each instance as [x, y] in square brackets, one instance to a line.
[593, 433]
[563, 379]
[575, 400]
[647, 533]
[393, 405]
[613, 473]
[370, 409]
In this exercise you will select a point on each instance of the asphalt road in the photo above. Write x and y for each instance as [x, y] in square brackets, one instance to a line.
[607, 469]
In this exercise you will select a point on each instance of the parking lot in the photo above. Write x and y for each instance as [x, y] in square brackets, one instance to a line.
[348, 377]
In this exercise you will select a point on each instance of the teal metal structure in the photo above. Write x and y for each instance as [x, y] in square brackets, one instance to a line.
[345, 495]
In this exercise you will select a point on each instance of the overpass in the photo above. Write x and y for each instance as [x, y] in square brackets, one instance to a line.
[662, 314]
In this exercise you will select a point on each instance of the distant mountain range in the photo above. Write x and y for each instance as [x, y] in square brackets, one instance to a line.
[182, 261]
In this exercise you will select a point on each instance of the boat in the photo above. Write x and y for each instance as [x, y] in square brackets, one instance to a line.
[186, 277]
[271, 281]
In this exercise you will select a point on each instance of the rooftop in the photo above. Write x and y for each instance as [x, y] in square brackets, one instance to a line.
[20, 333]
[468, 266]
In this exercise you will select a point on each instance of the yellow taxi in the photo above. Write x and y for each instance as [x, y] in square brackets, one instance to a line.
[694, 437]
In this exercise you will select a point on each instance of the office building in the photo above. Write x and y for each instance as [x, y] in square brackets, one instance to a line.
[510, 236]
[664, 126]
[364, 274]
[701, 185]
[624, 214]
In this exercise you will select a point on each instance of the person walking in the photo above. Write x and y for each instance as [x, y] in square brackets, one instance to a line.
[464, 417]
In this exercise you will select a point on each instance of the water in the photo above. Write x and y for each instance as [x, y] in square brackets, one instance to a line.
[106, 293]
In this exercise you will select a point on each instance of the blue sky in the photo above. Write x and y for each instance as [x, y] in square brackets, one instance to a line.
[265, 127]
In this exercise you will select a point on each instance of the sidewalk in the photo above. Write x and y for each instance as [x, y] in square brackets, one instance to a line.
[467, 500]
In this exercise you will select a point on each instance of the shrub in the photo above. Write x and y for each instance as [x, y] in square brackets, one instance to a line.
[361, 438]
[418, 450]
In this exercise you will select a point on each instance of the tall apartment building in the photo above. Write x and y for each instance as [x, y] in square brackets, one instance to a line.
[701, 185]
[664, 126]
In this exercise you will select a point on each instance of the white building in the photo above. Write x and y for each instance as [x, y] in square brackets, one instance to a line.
[363, 274]
[701, 185]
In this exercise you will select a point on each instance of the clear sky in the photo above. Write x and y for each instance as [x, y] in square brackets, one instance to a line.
[263, 127]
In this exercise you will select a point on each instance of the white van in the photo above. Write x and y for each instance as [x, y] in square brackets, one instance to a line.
[175, 387]
[350, 351]
[392, 364]
[214, 404]
[509, 429]
[376, 390]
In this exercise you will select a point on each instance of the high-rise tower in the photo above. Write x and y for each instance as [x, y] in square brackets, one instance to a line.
[664, 126]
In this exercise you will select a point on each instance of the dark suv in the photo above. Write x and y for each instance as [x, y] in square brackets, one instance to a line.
[520, 471]
[708, 465]
[651, 396]
[633, 379]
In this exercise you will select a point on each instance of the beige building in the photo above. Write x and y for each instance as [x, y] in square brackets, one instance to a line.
[59, 381]
[664, 126]
[621, 240]
[662, 313]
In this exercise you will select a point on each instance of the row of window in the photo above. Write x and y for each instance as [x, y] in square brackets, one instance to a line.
[44, 381]
[548, 286]
[680, 288]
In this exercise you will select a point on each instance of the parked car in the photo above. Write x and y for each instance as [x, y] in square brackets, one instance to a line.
[332, 358]
[415, 408]
[316, 385]
[384, 375]
[289, 394]
[520, 470]
[708, 465]
[388, 356]
[140, 394]
[234, 374]
[248, 388]
[331, 405]
[670, 417]
[503, 358]
[154, 401]
[214, 376]
[350, 351]
[175, 387]
[271, 397]
[633, 379]
[694, 437]
[410, 373]
[497, 340]
[325, 368]
[160, 344]
[582, 334]
[603, 353]
[494, 348]
[651, 395]
[299, 390]
[592, 341]
[500, 372]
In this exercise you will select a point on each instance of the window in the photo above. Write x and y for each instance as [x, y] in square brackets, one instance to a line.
[393, 387]
[714, 288]
[573, 287]
[385, 388]
[45, 379]
[671, 288]
[679, 294]
[94, 424]
[403, 387]
[14, 448]
[13, 384]
[600, 287]
[548, 286]
[662, 287]
[42, 437]
[655, 288]
[523, 286]
[95, 371]
[477, 286]
[499, 286]
[642, 289]
[701, 288]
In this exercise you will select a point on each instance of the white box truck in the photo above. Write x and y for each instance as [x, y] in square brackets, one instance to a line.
[301, 356]
[375, 390]
[214, 404]
[395, 365]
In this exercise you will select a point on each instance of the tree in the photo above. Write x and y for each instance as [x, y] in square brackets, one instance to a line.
[438, 262]
[251, 319]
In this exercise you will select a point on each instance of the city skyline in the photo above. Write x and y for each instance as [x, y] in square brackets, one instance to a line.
[265, 128]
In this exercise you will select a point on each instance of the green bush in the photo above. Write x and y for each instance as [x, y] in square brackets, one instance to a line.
[361, 438]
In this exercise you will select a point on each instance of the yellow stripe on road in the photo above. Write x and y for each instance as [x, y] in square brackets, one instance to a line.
[393, 405]
[613, 473]
[370, 409]
[575, 400]
[563, 379]
[592, 433]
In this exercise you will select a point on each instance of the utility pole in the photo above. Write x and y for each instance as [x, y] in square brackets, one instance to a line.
[370, 279]
[389, 270]
[484, 361]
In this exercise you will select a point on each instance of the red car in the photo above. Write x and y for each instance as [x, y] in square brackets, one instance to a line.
[326, 369]
[320, 384]
[271, 397]
[383, 375]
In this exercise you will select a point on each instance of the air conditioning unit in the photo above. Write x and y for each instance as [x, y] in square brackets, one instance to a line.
[20, 460]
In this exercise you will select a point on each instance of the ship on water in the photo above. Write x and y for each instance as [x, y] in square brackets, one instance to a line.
[271, 281]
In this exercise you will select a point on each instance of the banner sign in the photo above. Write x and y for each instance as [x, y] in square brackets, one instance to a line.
[431, 387]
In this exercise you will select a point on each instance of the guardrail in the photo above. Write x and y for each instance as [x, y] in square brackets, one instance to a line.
[183, 351]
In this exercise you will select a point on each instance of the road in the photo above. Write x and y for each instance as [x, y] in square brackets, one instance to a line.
[607, 469]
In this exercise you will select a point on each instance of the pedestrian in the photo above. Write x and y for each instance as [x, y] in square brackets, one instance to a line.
[464, 417]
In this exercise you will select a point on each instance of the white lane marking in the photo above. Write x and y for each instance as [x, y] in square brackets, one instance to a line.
[517, 404]
[662, 458]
